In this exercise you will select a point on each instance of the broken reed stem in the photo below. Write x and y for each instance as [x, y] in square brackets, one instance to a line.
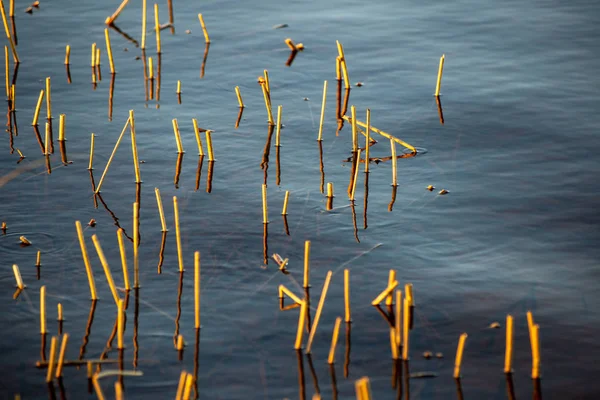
[206, 37]
[136, 245]
[47, 140]
[8, 36]
[363, 388]
[136, 163]
[161, 212]
[67, 55]
[389, 300]
[405, 329]
[347, 313]
[96, 384]
[38, 107]
[38, 259]
[306, 264]
[178, 233]
[177, 136]
[178, 87]
[398, 318]
[109, 51]
[354, 130]
[61, 355]
[209, 145]
[197, 289]
[320, 136]
[334, 340]
[264, 204]
[43, 329]
[283, 290]
[384, 134]
[330, 189]
[189, 383]
[91, 163]
[144, 13]
[59, 312]
[61, 128]
[239, 97]
[267, 86]
[51, 359]
[353, 191]
[180, 386]
[439, 77]
[18, 277]
[93, 59]
[385, 293]
[179, 344]
[112, 155]
[408, 293]
[198, 138]
[278, 130]
[368, 139]
[459, 355]
[157, 28]
[394, 164]
[120, 237]
[86, 261]
[120, 323]
[112, 18]
[508, 355]
[315, 323]
[345, 73]
[267, 103]
[301, 323]
[285, 202]
[106, 268]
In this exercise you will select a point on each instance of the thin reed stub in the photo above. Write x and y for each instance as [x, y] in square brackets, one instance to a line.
[47, 144]
[239, 97]
[189, 384]
[68, 55]
[136, 163]
[120, 324]
[177, 136]
[61, 355]
[338, 68]
[104, 262]
[368, 139]
[161, 211]
[180, 343]
[209, 146]
[96, 384]
[345, 74]
[181, 385]
[306, 264]
[18, 277]
[52, 359]
[119, 391]
[113, 17]
[315, 323]
[438, 84]
[59, 312]
[264, 204]
[323, 104]
[389, 300]
[151, 73]
[43, 329]
[363, 388]
[459, 355]
[178, 234]
[157, 28]
[178, 87]
[394, 164]
[97, 59]
[61, 128]
[86, 261]
[393, 343]
[112, 155]
[7, 72]
[408, 292]
[355, 178]
[109, 51]
[398, 318]
[91, 162]
[136, 245]
[386, 292]
[8, 35]
[38, 259]
[508, 353]
[334, 340]
[405, 329]
[278, 129]
[144, 14]
[347, 311]
[197, 289]
[121, 240]
[267, 103]
[354, 130]
[285, 202]
[38, 107]
[330, 189]
[198, 138]
[301, 324]
[204, 31]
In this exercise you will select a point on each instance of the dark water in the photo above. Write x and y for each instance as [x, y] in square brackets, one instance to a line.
[518, 230]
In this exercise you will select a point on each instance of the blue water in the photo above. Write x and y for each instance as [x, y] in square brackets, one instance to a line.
[516, 232]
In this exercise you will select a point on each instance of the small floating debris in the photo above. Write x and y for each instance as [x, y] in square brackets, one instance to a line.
[439, 355]
[300, 47]
[424, 374]
[306, 99]
[494, 325]
[443, 191]
[188, 31]
[281, 262]
[359, 84]
[25, 241]
[427, 355]
[280, 26]
[4, 226]
[36, 4]
[92, 222]
[430, 188]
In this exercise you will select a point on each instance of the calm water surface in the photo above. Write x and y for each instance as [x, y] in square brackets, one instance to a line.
[518, 230]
